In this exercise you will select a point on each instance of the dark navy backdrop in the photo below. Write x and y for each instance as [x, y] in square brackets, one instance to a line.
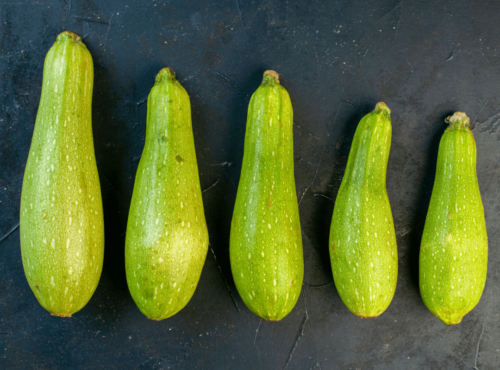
[337, 59]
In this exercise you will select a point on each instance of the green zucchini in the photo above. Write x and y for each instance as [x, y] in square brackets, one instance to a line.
[61, 226]
[266, 244]
[363, 250]
[167, 237]
[454, 249]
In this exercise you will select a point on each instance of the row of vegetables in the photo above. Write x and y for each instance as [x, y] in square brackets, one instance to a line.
[62, 228]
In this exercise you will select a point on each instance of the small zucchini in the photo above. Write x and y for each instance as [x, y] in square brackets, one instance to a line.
[167, 237]
[363, 249]
[454, 249]
[266, 244]
[61, 226]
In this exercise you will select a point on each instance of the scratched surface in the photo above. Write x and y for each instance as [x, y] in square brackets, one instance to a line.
[425, 59]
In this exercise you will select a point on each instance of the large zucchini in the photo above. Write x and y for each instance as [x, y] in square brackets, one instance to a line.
[454, 249]
[266, 244]
[62, 229]
[363, 248]
[167, 237]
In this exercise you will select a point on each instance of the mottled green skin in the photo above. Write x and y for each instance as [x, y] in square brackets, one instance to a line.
[167, 237]
[454, 249]
[266, 244]
[62, 228]
[363, 249]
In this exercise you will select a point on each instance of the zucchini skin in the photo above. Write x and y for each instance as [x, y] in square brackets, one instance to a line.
[266, 244]
[167, 237]
[363, 249]
[61, 223]
[454, 248]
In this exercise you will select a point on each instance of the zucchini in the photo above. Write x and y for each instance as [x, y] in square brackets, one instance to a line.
[266, 243]
[167, 237]
[61, 225]
[454, 249]
[363, 250]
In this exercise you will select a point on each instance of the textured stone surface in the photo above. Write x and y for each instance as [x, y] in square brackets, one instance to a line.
[425, 59]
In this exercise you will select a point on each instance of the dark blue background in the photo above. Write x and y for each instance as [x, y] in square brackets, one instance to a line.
[337, 59]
